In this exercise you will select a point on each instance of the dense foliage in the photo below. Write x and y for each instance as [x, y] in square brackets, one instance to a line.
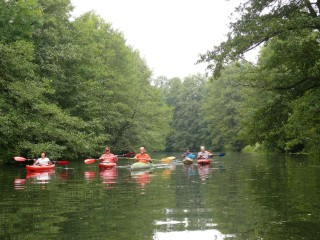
[71, 87]
[273, 103]
[280, 95]
[186, 97]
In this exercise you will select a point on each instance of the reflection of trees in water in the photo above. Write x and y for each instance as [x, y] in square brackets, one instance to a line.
[257, 197]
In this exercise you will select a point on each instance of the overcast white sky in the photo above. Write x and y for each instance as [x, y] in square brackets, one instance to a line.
[169, 34]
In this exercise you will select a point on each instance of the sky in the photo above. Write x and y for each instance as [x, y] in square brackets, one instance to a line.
[169, 34]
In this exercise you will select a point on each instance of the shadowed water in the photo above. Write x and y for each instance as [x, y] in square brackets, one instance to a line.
[238, 196]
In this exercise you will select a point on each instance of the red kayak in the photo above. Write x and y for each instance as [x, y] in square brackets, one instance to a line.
[40, 168]
[203, 161]
[105, 165]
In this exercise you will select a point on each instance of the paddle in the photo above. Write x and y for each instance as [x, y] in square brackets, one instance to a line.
[92, 160]
[190, 155]
[220, 154]
[22, 159]
[167, 159]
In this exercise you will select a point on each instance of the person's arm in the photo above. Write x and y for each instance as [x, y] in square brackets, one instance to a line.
[49, 162]
[114, 157]
[149, 158]
[36, 162]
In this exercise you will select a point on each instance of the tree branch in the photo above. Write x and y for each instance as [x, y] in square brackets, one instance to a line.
[311, 10]
[318, 4]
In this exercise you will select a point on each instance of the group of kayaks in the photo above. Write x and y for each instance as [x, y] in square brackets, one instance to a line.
[135, 166]
[199, 161]
[102, 165]
[112, 164]
[191, 157]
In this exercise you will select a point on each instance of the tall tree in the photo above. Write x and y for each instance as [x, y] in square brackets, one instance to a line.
[286, 83]
[287, 71]
[222, 109]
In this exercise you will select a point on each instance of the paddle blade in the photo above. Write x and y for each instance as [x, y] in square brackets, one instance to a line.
[167, 160]
[63, 162]
[20, 159]
[221, 154]
[89, 161]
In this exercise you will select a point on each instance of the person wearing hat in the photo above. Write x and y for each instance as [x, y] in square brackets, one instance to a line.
[108, 156]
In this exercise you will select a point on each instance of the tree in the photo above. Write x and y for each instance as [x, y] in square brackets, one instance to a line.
[72, 87]
[222, 109]
[284, 83]
[286, 76]
[260, 21]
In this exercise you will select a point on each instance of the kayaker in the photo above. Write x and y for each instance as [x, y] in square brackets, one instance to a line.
[43, 160]
[108, 156]
[143, 156]
[187, 152]
[203, 154]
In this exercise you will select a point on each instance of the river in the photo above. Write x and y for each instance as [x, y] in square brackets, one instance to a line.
[238, 196]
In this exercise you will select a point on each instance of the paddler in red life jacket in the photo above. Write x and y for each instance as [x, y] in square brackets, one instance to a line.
[108, 156]
[143, 156]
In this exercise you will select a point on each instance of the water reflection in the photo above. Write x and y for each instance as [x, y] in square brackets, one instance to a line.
[167, 170]
[42, 177]
[185, 235]
[89, 175]
[19, 184]
[190, 169]
[204, 171]
[64, 175]
[169, 222]
[33, 177]
[109, 177]
[142, 178]
[244, 197]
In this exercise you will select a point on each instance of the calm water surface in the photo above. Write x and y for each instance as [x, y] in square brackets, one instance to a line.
[238, 196]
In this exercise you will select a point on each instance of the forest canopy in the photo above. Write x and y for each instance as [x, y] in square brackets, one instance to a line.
[72, 86]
